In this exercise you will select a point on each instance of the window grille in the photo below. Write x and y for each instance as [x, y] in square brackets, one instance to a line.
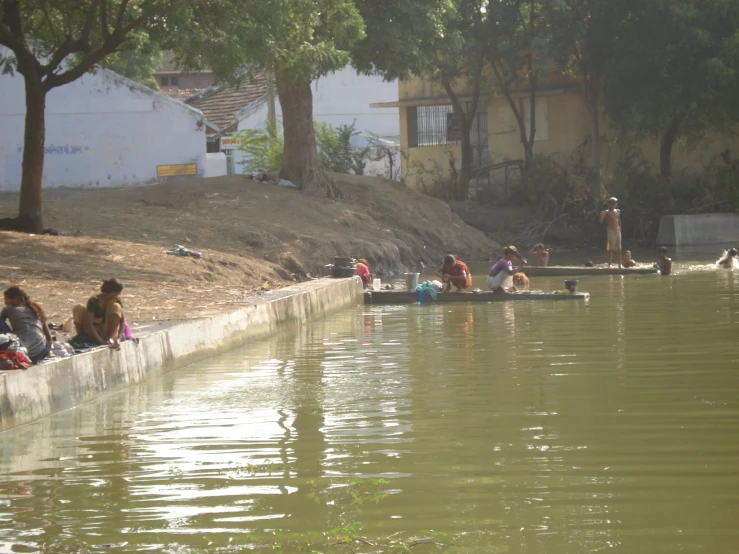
[432, 125]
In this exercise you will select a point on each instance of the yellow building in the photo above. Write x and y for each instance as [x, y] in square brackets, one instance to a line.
[562, 127]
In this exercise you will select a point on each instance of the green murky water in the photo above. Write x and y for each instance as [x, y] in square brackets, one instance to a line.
[556, 428]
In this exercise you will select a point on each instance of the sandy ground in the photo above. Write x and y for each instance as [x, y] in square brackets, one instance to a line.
[249, 233]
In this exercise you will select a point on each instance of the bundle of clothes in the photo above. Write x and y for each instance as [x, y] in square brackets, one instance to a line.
[12, 354]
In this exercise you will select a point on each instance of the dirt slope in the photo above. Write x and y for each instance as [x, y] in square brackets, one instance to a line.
[249, 233]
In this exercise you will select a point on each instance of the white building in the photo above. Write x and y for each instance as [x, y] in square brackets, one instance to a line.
[341, 98]
[103, 130]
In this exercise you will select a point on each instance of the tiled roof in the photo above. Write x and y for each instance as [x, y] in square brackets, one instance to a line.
[220, 104]
[180, 94]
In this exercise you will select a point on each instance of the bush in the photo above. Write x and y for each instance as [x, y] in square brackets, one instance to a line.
[264, 148]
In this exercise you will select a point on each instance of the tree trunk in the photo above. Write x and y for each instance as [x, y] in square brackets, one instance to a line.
[29, 209]
[300, 161]
[592, 92]
[665, 151]
[463, 189]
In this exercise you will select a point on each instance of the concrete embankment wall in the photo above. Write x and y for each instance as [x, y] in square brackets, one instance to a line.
[45, 389]
[695, 230]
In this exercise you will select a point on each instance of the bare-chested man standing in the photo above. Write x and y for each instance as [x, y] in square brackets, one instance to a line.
[613, 219]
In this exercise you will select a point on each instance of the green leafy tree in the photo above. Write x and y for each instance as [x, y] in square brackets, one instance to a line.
[523, 51]
[52, 43]
[442, 41]
[674, 73]
[585, 30]
[300, 40]
[137, 59]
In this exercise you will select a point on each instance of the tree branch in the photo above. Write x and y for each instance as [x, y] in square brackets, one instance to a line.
[121, 14]
[104, 30]
[84, 41]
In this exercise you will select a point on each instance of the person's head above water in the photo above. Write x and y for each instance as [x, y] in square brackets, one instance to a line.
[538, 247]
[733, 253]
[627, 254]
[612, 201]
[450, 260]
[662, 251]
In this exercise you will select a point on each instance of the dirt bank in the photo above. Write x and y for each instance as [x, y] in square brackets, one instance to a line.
[249, 232]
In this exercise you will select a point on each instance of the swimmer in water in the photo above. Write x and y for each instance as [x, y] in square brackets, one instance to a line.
[628, 261]
[664, 264]
[729, 259]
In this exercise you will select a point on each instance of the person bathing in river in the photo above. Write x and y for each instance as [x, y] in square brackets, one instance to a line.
[612, 217]
[729, 259]
[454, 272]
[541, 254]
[627, 260]
[101, 321]
[28, 320]
[664, 264]
[363, 271]
[500, 279]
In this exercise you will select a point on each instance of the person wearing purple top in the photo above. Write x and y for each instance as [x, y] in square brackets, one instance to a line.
[501, 274]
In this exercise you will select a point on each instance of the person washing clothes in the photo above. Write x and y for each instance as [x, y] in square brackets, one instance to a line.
[454, 272]
[500, 279]
[101, 321]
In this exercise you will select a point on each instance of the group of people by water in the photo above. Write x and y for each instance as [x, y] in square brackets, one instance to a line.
[99, 322]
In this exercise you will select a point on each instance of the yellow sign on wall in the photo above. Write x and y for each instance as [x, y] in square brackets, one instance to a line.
[177, 170]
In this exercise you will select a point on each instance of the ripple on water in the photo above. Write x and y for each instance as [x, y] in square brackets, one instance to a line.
[528, 427]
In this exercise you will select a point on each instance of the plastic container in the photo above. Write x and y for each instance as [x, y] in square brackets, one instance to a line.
[411, 281]
[571, 285]
[421, 295]
[376, 284]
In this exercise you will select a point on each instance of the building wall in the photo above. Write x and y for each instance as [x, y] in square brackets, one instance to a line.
[568, 128]
[101, 130]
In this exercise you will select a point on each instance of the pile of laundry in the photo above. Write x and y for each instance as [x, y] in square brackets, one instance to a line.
[180, 250]
[12, 354]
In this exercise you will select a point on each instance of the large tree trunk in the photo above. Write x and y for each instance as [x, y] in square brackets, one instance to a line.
[300, 161]
[665, 151]
[29, 209]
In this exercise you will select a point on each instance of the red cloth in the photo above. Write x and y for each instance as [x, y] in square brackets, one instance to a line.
[14, 360]
[458, 270]
[364, 273]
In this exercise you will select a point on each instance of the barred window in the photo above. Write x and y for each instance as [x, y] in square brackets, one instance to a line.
[432, 125]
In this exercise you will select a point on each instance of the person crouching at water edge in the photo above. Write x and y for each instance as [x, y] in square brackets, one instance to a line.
[501, 274]
[363, 271]
[454, 272]
[101, 321]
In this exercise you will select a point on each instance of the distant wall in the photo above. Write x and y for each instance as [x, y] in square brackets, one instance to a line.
[694, 230]
[215, 164]
[102, 130]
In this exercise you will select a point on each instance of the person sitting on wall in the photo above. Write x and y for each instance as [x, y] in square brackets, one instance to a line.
[541, 254]
[28, 320]
[101, 321]
[363, 271]
[454, 272]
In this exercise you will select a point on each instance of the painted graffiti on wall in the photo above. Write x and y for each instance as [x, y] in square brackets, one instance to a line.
[61, 150]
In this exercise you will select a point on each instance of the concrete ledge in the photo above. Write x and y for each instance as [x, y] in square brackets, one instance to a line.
[694, 230]
[26, 396]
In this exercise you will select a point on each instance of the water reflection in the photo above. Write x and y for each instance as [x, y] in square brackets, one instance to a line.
[557, 427]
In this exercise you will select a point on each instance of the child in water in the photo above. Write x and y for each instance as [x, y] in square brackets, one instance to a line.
[628, 261]
[729, 260]
[541, 254]
[664, 264]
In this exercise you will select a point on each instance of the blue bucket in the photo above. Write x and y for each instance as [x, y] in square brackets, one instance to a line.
[571, 285]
